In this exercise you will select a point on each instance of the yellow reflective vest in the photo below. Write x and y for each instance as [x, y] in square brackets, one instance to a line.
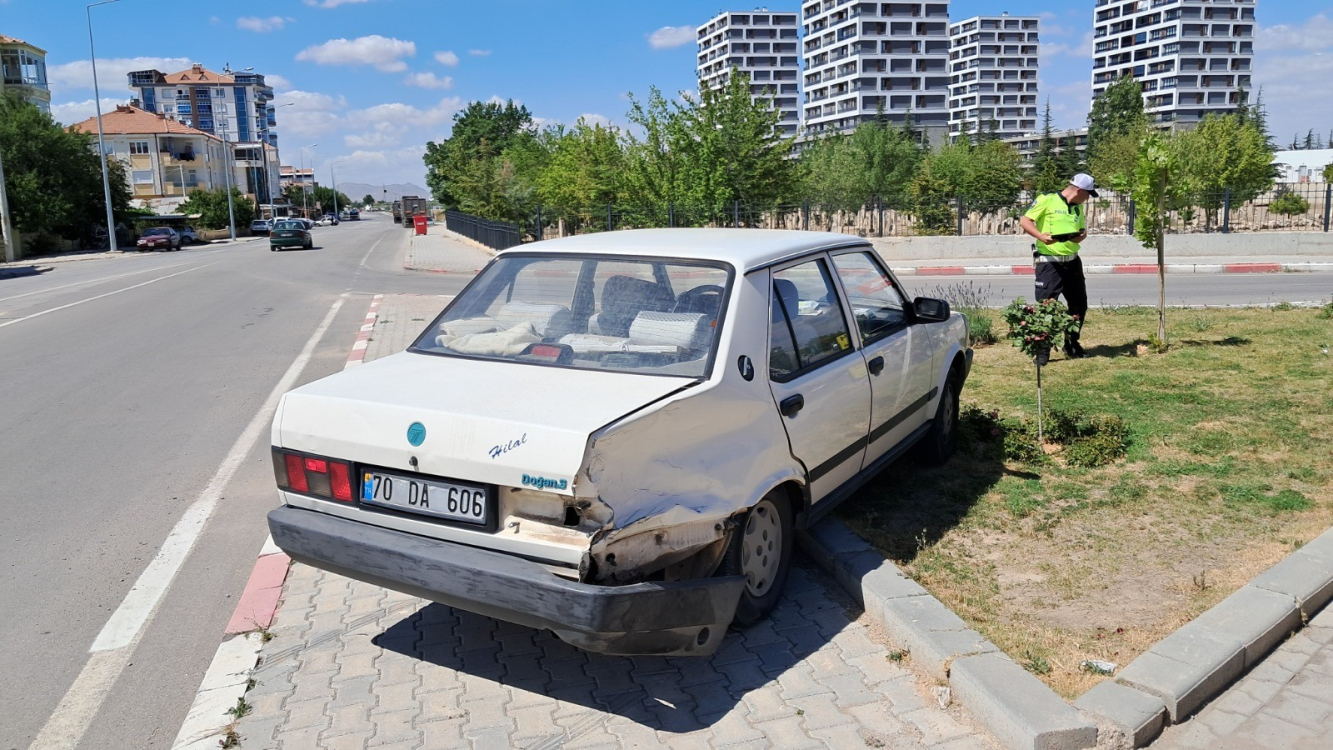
[1054, 216]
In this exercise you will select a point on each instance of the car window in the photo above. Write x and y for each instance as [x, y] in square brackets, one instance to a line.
[289, 225]
[156, 232]
[587, 312]
[808, 305]
[876, 305]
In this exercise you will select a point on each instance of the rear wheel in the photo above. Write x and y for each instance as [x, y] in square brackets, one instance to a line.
[938, 444]
[761, 550]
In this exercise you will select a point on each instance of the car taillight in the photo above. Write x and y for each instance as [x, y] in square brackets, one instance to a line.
[312, 475]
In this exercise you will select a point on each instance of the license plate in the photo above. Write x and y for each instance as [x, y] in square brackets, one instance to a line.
[455, 502]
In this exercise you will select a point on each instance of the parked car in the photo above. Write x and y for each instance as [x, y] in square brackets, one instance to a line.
[290, 233]
[159, 238]
[353, 214]
[188, 235]
[330, 220]
[615, 436]
[260, 227]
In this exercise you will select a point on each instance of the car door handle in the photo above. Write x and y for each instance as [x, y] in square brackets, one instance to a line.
[876, 365]
[791, 404]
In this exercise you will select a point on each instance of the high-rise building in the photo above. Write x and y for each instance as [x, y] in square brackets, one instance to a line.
[23, 69]
[1193, 57]
[864, 57]
[235, 106]
[761, 44]
[993, 76]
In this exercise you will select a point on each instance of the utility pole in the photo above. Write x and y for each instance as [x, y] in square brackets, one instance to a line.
[6, 225]
[101, 141]
[226, 169]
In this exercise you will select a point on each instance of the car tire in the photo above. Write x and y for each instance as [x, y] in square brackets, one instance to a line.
[938, 445]
[273, 248]
[761, 550]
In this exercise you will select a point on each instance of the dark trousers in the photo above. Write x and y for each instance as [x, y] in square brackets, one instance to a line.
[1055, 279]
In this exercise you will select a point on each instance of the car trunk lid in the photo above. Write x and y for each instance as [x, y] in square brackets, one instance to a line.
[502, 423]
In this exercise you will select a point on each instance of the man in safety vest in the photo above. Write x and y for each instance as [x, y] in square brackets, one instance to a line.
[1058, 224]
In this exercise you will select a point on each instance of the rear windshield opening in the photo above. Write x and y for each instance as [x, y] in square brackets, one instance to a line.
[641, 315]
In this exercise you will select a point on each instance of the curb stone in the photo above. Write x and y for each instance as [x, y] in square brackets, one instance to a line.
[1195, 664]
[1018, 708]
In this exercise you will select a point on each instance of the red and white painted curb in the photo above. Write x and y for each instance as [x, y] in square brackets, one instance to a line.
[228, 675]
[1026, 269]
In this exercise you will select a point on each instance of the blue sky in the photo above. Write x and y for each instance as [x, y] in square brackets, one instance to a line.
[372, 80]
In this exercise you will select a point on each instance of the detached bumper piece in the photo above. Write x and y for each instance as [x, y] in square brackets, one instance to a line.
[675, 618]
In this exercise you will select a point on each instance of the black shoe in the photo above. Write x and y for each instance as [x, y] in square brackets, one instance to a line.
[1074, 351]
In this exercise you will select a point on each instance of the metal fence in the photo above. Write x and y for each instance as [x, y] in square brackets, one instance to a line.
[493, 234]
[1287, 207]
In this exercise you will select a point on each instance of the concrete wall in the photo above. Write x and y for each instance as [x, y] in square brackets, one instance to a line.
[1248, 246]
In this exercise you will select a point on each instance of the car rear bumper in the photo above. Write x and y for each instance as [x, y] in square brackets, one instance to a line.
[666, 618]
[286, 241]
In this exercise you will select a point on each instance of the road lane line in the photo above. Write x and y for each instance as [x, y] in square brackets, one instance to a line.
[366, 257]
[114, 646]
[91, 281]
[101, 296]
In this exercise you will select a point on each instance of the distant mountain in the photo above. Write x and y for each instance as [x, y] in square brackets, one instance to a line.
[358, 190]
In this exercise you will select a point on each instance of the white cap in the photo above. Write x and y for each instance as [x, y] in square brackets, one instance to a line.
[1084, 182]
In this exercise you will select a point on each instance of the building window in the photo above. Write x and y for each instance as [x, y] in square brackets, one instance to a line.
[219, 93]
[143, 176]
[138, 148]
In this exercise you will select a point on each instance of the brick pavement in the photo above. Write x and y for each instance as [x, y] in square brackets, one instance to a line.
[1285, 702]
[353, 666]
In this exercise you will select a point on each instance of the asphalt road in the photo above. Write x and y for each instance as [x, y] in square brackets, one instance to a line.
[129, 381]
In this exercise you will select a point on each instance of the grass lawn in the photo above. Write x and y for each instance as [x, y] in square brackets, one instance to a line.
[1229, 468]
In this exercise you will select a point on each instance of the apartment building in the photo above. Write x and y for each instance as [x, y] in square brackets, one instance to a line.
[1193, 57]
[993, 76]
[763, 45]
[23, 69]
[164, 159]
[236, 106]
[303, 176]
[861, 57]
[1029, 143]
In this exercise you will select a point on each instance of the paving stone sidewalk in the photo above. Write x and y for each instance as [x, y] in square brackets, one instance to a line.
[442, 251]
[1285, 702]
[353, 665]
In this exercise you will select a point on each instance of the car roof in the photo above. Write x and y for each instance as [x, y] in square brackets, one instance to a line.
[746, 249]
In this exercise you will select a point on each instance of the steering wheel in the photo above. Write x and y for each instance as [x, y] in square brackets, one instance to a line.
[705, 299]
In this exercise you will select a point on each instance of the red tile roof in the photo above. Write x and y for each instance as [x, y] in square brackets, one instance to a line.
[198, 74]
[128, 120]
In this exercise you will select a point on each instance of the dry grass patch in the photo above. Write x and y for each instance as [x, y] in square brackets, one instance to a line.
[1229, 468]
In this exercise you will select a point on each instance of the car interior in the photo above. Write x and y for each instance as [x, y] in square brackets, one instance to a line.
[585, 316]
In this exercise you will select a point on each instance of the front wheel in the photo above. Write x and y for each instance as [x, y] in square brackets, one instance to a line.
[761, 550]
[938, 445]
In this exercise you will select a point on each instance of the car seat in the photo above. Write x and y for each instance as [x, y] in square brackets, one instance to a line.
[623, 298]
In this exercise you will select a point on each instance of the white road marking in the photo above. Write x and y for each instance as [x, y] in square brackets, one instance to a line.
[114, 646]
[366, 257]
[91, 281]
[101, 296]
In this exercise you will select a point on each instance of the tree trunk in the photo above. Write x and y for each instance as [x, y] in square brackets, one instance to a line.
[1161, 262]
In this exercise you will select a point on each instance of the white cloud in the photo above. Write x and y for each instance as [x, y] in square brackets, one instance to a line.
[376, 166]
[278, 82]
[479, 52]
[72, 112]
[446, 57]
[332, 3]
[260, 25]
[111, 72]
[429, 81]
[1313, 35]
[406, 115]
[311, 114]
[591, 119]
[385, 53]
[669, 37]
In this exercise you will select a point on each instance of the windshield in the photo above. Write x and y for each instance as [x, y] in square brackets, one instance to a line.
[289, 225]
[157, 232]
[643, 315]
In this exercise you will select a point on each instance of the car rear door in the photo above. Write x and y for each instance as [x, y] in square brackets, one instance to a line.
[816, 374]
[887, 343]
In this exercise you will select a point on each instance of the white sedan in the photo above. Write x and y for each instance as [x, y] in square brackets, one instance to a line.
[615, 436]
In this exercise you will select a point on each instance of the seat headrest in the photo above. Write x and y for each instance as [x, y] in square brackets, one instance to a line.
[685, 330]
[790, 296]
[626, 294]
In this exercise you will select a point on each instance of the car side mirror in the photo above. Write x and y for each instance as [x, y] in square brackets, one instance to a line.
[930, 310]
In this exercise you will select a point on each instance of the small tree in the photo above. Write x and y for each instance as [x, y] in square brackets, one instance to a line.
[1288, 204]
[930, 202]
[1155, 188]
[369, 200]
[1328, 172]
[211, 207]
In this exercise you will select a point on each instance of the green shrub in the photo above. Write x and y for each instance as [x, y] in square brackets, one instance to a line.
[41, 244]
[1020, 442]
[1288, 203]
[1088, 441]
[1326, 312]
[979, 325]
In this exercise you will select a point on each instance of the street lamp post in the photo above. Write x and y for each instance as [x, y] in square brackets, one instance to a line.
[101, 140]
[226, 172]
[305, 200]
[268, 181]
[334, 179]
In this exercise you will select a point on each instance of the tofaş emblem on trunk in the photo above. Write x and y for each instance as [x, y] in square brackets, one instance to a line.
[416, 433]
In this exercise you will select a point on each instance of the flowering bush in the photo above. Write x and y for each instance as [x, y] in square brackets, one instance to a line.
[1038, 327]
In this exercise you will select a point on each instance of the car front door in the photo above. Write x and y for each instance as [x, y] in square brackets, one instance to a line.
[817, 376]
[887, 343]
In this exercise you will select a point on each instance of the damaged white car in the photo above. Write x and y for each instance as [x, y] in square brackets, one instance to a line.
[615, 436]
